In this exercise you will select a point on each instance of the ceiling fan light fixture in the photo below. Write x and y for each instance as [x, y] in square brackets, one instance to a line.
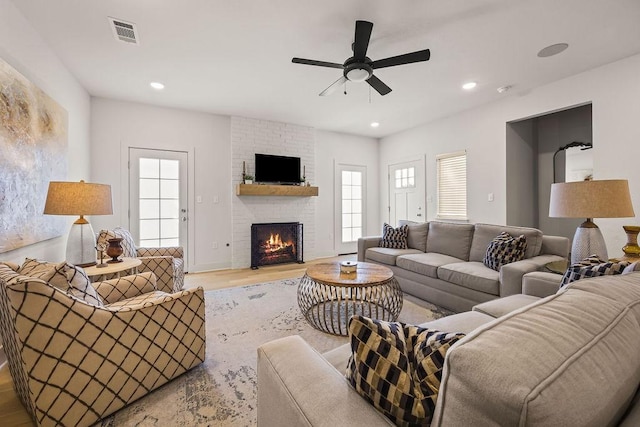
[358, 74]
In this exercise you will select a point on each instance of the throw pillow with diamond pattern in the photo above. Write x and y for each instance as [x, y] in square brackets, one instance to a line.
[397, 368]
[505, 249]
[592, 266]
[394, 238]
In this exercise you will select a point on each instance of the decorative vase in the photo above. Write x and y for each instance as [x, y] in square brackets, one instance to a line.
[631, 249]
[114, 250]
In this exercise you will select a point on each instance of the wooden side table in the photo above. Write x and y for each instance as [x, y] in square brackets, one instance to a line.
[128, 265]
[328, 298]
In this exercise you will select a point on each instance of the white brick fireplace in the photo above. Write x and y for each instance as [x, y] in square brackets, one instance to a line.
[250, 136]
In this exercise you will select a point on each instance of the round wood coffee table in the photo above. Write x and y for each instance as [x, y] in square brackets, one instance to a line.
[328, 298]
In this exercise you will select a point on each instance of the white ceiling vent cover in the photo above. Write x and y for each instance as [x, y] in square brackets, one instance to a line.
[124, 31]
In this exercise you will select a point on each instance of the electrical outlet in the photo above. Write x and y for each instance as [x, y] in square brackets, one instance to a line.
[490, 197]
[214, 245]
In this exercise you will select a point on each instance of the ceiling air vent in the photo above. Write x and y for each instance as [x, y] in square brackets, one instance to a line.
[124, 31]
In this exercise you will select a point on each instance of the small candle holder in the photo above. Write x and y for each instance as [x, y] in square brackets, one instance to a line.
[101, 247]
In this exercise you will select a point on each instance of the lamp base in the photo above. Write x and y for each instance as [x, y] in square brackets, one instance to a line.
[631, 249]
[81, 244]
[587, 241]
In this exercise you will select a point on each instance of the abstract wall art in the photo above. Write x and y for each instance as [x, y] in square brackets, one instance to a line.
[33, 151]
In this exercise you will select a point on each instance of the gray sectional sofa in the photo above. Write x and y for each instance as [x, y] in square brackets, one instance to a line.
[443, 262]
[570, 359]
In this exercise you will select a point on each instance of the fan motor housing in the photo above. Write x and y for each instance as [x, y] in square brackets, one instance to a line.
[356, 70]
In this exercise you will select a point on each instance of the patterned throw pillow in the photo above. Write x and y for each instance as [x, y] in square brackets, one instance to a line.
[505, 249]
[128, 245]
[592, 266]
[395, 238]
[66, 277]
[397, 368]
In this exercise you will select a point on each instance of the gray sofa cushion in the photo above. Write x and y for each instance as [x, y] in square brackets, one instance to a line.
[425, 264]
[451, 239]
[484, 233]
[417, 234]
[387, 255]
[473, 275]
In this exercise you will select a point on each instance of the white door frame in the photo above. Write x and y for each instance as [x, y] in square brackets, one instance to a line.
[185, 199]
[421, 214]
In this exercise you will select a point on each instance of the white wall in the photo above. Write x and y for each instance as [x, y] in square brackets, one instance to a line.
[23, 48]
[613, 90]
[116, 126]
[337, 148]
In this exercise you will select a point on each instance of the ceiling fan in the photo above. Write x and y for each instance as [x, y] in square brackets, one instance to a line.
[359, 67]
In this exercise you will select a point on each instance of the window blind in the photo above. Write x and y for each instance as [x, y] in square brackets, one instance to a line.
[452, 185]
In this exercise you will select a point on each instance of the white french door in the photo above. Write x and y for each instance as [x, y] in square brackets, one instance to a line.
[407, 192]
[158, 198]
[351, 202]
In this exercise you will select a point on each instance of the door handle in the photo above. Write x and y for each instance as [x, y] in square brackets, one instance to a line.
[184, 219]
[419, 214]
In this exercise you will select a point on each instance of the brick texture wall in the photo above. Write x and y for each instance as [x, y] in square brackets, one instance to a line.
[250, 136]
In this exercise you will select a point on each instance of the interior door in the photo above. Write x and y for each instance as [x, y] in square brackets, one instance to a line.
[407, 192]
[158, 198]
[351, 202]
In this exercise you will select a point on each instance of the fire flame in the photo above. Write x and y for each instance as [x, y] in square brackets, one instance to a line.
[275, 241]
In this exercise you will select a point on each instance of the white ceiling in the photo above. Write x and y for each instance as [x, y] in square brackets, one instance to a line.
[234, 56]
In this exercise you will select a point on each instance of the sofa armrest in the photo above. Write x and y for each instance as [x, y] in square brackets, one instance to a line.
[115, 290]
[555, 245]
[511, 274]
[365, 243]
[298, 387]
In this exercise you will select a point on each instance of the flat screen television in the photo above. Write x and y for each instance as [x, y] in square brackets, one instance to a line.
[277, 169]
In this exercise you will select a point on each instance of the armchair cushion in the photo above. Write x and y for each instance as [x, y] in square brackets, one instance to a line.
[114, 290]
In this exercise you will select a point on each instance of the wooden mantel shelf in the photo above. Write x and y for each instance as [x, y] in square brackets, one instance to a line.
[275, 190]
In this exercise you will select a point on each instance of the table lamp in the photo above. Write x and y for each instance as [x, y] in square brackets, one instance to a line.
[79, 198]
[590, 199]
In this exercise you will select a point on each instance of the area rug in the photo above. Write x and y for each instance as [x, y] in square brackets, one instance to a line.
[222, 390]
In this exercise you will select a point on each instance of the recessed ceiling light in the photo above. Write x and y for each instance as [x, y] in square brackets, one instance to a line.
[553, 49]
[469, 85]
[375, 124]
[157, 85]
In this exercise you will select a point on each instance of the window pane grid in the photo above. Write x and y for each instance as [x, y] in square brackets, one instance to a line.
[351, 206]
[405, 178]
[159, 186]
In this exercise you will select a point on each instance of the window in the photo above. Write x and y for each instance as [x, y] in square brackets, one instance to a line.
[351, 205]
[159, 202]
[406, 178]
[452, 185]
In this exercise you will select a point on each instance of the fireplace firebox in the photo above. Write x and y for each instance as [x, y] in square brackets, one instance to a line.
[276, 243]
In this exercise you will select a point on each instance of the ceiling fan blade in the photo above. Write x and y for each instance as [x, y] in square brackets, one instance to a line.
[361, 39]
[334, 86]
[378, 85]
[407, 58]
[318, 63]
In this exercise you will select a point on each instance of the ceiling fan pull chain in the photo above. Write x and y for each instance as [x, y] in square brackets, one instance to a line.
[345, 87]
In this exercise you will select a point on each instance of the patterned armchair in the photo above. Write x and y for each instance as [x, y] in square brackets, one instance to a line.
[166, 263]
[73, 362]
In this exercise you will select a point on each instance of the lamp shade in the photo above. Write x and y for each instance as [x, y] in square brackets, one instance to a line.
[591, 199]
[78, 198]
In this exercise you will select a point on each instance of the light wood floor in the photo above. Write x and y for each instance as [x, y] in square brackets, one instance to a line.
[12, 413]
